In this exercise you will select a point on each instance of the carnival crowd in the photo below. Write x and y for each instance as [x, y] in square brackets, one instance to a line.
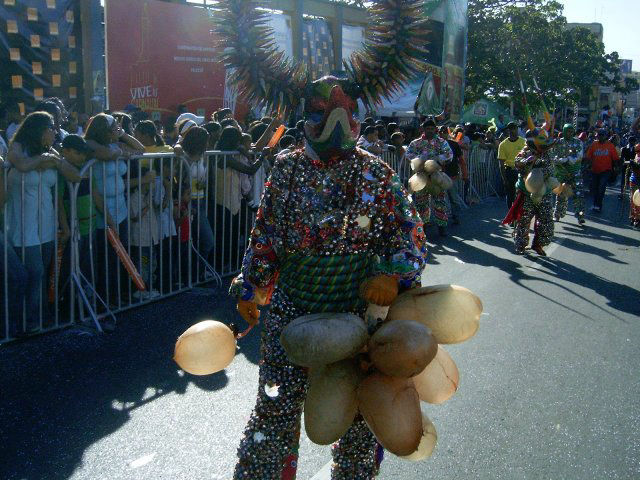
[156, 205]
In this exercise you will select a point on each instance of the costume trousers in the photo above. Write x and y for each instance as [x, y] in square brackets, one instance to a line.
[425, 202]
[269, 448]
[578, 201]
[543, 227]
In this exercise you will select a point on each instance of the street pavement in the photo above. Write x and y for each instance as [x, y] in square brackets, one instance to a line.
[549, 385]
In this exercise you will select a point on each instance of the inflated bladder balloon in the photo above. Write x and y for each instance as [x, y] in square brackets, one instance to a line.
[567, 191]
[443, 180]
[418, 181]
[428, 440]
[636, 198]
[534, 181]
[552, 183]
[439, 380]
[323, 338]
[205, 348]
[402, 348]
[450, 311]
[431, 166]
[391, 408]
[332, 402]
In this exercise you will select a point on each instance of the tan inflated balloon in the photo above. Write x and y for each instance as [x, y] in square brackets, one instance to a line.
[431, 166]
[552, 183]
[534, 181]
[636, 198]
[402, 348]
[323, 338]
[391, 408]
[450, 311]
[331, 403]
[205, 348]
[439, 380]
[443, 180]
[428, 440]
[418, 181]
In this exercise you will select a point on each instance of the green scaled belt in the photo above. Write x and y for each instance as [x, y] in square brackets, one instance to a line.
[328, 283]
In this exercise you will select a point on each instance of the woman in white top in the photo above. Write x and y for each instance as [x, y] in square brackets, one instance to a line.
[31, 217]
[112, 148]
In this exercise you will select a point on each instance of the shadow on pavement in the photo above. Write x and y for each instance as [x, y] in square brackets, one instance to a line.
[65, 391]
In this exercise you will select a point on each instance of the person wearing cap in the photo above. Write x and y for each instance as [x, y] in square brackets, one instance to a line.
[602, 154]
[528, 206]
[369, 141]
[508, 149]
[567, 154]
[431, 147]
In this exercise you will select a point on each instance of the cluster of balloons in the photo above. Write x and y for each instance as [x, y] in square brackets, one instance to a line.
[386, 376]
[428, 175]
[538, 187]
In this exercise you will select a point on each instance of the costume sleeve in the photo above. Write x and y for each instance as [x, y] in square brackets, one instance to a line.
[412, 151]
[260, 265]
[404, 252]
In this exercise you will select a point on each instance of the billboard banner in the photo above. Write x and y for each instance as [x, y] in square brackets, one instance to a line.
[160, 55]
[40, 51]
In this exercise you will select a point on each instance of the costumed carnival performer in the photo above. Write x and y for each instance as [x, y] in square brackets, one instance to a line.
[335, 228]
[430, 146]
[567, 154]
[539, 203]
[634, 186]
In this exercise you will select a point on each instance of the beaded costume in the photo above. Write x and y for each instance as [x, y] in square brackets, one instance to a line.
[348, 211]
[568, 159]
[524, 209]
[332, 216]
[435, 149]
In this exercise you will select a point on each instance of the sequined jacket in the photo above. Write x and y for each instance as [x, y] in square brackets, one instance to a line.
[435, 149]
[356, 205]
[567, 155]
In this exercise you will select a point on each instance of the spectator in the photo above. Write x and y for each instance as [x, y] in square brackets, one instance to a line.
[392, 128]
[507, 152]
[214, 129]
[144, 211]
[106, 133]
[89, 202]
[125, 121]
[14, 119]
[602, 155]
[12, 274]
[53, 109]
[30, 210]
[369, 141]
[194, 145]
[4, 148]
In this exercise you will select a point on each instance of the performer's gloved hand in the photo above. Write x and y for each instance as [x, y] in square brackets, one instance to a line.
[380, 290]
[249, 312]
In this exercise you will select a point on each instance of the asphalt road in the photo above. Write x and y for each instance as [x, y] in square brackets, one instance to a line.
[549, 385]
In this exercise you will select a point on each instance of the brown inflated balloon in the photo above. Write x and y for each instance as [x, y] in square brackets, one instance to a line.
[534, 181]
[552, 183]
[428, 440]
[331, 403]
[450, 311]
[402, 348]
[323, 338]
[439, 380]
[205, 348]
[391, 408]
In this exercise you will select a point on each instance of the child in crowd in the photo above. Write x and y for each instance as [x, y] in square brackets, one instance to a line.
[89, 202]
[145, 234]
[369, 141]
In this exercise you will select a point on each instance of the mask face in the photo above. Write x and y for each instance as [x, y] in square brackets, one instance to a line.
[330, 113]
[542, 140]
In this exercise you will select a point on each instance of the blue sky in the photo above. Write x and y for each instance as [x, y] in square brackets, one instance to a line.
[620, 19]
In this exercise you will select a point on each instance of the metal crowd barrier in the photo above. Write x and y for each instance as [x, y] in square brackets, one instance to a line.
[185, 224]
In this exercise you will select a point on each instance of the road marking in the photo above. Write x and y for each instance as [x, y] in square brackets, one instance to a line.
[142, 460]
[324, 473]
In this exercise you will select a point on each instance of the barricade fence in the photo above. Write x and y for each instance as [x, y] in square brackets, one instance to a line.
[70, 250]
[132, 231]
